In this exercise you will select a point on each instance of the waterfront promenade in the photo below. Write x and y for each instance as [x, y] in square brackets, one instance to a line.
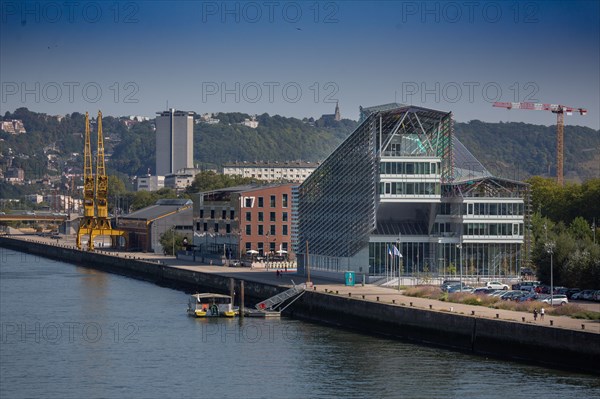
[368, 292]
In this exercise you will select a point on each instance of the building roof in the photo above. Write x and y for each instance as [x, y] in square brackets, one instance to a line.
[162, 208]
[272, 164]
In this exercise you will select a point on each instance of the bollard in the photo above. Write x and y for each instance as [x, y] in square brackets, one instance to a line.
[497, 315]
[349, 294]
[551, 322]
[315, 288]
[325, 289]
[377, 299]
[583, 326]
[522, 318]
[431, 306]
[393, 301]
[363, 297]
[337, 292]
[411, 304]
[472, 313]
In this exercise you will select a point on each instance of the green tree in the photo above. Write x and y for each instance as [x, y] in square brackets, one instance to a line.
[170, 239]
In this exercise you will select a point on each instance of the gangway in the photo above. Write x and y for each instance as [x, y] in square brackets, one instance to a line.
[272, 303]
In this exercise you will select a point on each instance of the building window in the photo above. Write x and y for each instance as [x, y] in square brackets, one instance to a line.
[261, 217]
[205, 226]
[249, 202]
[228, 228]
[273, 230]
[272, 216]
[197, 226]
[201, 213]
[284, 216]
[212, 213]
[260, 230]
[224, 214]
[284, 230]
[284, 200]
[272, 202]
[261, 201]
[248, 216]
[248, 229]
[216, 228]
[232, 214]
[248, 246]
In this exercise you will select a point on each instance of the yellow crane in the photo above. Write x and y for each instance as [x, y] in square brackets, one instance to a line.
[95, 221]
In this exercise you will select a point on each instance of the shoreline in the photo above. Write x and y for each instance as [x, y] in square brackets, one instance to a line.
[567, 343]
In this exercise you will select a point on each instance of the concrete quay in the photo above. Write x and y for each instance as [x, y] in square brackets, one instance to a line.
[557, 341]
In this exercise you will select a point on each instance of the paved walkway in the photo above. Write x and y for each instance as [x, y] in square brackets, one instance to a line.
[359, 292]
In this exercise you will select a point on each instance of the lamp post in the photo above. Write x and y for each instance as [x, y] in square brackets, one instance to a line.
[459, 246]
[550, 249]
[173, 240]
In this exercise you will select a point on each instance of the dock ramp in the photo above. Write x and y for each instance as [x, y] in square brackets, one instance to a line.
[277, 300]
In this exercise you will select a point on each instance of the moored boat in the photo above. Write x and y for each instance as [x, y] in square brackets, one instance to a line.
[210, 305]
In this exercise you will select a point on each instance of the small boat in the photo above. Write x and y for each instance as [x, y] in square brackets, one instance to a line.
[210, 305]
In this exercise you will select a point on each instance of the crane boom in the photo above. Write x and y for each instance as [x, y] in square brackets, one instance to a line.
[560, 111]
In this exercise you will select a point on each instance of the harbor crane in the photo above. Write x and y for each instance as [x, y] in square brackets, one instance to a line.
[95, 221]
[560, 111]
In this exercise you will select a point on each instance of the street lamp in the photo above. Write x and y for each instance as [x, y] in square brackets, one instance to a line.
[459, 246]
[173, 240]
[550, 249]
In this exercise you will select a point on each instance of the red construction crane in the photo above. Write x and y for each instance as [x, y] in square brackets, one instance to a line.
[559, 110]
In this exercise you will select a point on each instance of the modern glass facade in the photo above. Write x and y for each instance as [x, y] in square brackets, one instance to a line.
[402, 195]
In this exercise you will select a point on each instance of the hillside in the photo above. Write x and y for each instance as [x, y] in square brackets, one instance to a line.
[53, 146]
[520, 150]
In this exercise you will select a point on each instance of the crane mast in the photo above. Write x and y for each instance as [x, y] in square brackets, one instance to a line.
[88, 221]
[95, 221]
[560, 111]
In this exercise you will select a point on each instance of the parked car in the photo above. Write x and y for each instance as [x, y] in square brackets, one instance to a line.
[526, 272]
[596, 296]
[483, 291]
[512, 295]
[585, 294]
[556, 300]
[457, 288]
[449, 283]
[572, 291]
[496, 285]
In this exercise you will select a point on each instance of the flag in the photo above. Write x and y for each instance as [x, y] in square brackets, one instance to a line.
[396, 252]
[389, 250]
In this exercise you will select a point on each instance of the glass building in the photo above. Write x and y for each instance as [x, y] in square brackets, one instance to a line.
[402, 196]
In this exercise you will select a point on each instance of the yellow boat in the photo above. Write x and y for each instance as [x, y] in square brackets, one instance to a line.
[210, 305]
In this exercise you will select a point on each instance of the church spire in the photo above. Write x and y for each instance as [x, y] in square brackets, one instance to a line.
[338, 116]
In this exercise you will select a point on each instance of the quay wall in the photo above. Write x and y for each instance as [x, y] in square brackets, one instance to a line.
[555, 347]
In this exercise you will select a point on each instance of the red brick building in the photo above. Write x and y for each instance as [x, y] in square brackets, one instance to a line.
[238, 221]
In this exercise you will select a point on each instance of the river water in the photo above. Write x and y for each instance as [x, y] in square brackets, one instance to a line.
[73, 332]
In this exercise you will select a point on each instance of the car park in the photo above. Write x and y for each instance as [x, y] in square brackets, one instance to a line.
[449, 283]
[496, 285]
[556, 300]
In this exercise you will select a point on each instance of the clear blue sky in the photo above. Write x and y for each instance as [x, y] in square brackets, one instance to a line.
[296, 58]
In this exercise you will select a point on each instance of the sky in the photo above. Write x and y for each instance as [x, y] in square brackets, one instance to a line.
[298, 58]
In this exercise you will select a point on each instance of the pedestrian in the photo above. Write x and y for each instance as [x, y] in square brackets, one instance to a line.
[277, 273]
[542, 311]
[535, 313]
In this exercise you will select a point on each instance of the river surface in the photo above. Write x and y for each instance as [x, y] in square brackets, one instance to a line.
[73, 332]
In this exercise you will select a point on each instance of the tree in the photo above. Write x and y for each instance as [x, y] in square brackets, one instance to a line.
[170, 238]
